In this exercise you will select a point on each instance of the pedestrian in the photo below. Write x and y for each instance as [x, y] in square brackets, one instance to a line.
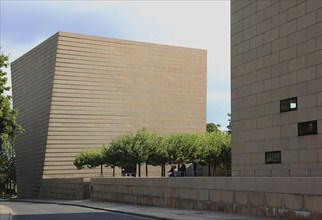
[182, 169]
[173, 170]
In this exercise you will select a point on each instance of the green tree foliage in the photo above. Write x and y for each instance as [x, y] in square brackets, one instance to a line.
[121, 151]
[130, 149]
[174, 143]
[8, 123]
[90, 158]
[8, 168]
[8, 129]
[225, 153]
[157, 150]
[141, 147]
[229, 125]
[211, 127]
[158, 153]
[218, 149]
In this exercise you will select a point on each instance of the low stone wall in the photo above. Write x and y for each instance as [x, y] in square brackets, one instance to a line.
[289, 197]
[64, 188]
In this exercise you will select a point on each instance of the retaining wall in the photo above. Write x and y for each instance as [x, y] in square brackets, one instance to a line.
[64, 188]
[282, 197]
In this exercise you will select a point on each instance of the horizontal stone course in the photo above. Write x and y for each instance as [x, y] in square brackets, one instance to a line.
[286, 36]
[262, 196]
[65, 188]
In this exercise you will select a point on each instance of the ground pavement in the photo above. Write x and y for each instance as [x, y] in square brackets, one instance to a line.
[5, 212]
[145, 211]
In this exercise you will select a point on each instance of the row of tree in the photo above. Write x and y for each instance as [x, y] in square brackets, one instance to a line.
[8, 129]
[143, 147]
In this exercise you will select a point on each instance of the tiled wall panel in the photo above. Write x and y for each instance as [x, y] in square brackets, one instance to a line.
[276, 54]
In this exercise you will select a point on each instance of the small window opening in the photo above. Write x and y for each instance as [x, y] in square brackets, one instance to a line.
[288, 104]
[307, 128]
[273, 157]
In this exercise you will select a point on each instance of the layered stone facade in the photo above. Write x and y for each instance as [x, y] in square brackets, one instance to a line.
[76, 92]
[262, 196]
[276, 86]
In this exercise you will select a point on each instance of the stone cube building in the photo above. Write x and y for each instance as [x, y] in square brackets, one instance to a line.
[76, 92]
[276, 86]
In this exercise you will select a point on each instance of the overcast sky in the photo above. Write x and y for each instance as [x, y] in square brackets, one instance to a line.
[197, 24]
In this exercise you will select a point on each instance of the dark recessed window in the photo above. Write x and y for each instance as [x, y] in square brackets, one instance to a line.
[273, 157]
[288, 104]
[307, 128]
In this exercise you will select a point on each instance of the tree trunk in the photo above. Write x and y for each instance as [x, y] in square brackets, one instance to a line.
[113, 171]
[101, 170]
[194, 169]
[139, 169]
[208, 169]
[146, 170]
[14, 187]
[163, 170]
[9, 187]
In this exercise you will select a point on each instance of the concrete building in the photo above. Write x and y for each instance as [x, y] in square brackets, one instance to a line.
[75, 92]
[276, 86]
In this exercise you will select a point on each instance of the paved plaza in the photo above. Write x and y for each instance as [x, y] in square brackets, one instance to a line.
[145, 211]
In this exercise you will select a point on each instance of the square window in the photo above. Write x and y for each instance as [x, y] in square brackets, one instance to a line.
[307, 128]
[273, 157]
[288, 104]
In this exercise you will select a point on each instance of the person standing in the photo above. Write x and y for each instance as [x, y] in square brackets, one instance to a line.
[182, 169]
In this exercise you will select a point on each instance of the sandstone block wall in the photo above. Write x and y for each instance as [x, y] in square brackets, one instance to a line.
[64, 188]
[292, 198]
[276, 54]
